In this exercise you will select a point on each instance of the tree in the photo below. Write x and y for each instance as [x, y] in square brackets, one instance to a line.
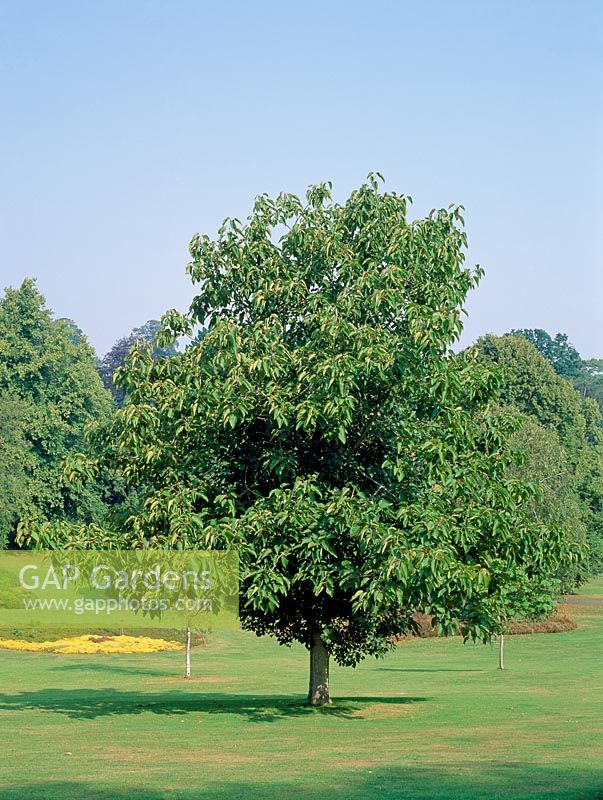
[148, 333]
[586, 376]
[589, 382]
[111, 362]
[117, 355]
[49, 393]
[531, 385]
[324, 428]
[558, 351]
[76, 334]
[558, 503]
[16, 462]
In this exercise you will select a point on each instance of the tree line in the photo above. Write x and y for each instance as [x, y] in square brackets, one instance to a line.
[52, 388]
[322, 425]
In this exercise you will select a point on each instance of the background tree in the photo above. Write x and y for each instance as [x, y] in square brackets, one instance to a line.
[531, 385]
[558, 502]
[16, 463]
[117, 355]
[324, 428]
[558, 351]
[589, 382]
[49, 393]
[586, 376]
[76, 334]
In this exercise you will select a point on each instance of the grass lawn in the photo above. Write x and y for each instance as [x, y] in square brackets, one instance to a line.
[435, 719]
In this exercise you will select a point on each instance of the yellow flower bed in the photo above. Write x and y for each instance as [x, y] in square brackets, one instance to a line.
[93, 644]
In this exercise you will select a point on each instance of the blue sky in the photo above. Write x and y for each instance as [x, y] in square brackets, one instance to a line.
[128, 127]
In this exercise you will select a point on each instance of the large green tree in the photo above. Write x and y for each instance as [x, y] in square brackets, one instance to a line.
[325, 429]
[531, 385]
[49, 393]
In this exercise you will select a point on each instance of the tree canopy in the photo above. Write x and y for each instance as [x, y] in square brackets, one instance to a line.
[324, 428]
[586, 376]
[558, 502]
[531, 385]
[557, 350]
[49, 393]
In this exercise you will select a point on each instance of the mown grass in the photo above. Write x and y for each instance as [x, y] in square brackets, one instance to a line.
[433, 720]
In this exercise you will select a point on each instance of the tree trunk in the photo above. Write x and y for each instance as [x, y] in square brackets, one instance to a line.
[187, 669]
[318, 694]
[501, 651]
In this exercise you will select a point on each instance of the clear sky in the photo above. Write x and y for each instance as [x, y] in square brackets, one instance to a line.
[129, 126]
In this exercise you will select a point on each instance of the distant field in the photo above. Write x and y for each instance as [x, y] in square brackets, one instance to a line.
[433, 720]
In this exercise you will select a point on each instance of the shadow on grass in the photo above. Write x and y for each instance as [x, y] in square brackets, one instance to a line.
[93, 703]
[95, 666]
[419, 669]
[474, 781]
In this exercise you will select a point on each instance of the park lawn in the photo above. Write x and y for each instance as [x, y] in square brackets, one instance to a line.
[435, 719]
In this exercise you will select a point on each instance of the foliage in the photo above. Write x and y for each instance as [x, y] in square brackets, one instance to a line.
[586, 376]
[16, 461]
[589, 382]
[117, 355]
[558, 351]
[76, 334]
[325, 429]
[49, 393]
[557, 503]
[532, 386]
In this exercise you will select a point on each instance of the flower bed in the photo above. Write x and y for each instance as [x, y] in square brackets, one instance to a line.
[93, 644]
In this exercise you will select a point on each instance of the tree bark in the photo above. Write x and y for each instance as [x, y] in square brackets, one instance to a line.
[501, 651]
[318, 694]
[187, 668]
